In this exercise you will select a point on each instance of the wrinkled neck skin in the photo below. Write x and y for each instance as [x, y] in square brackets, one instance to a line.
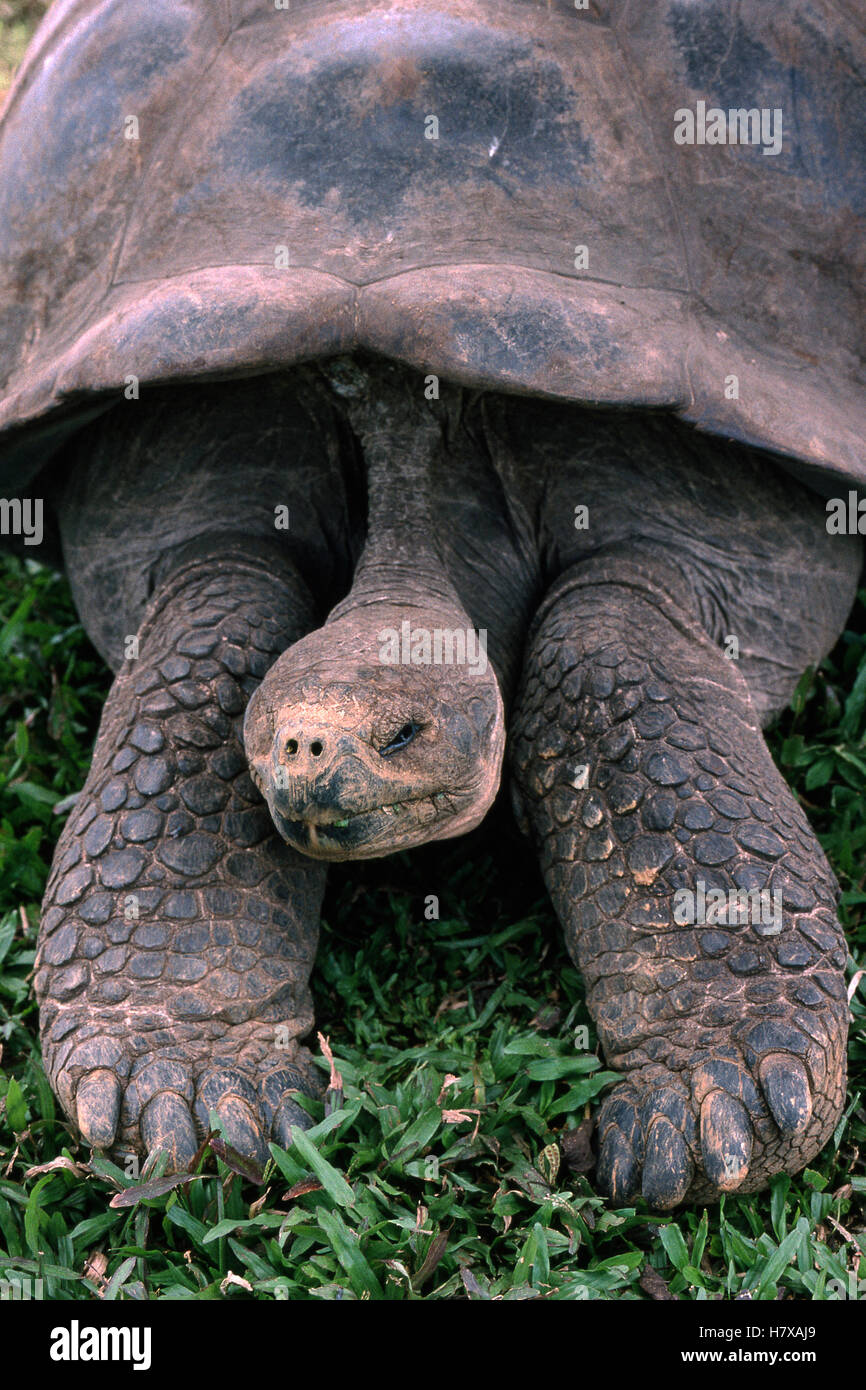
[384, 728]
[401, 562]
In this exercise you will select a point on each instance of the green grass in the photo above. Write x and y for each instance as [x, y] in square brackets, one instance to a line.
[451, 1163]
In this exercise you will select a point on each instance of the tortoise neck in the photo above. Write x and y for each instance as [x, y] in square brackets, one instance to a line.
[401, 562]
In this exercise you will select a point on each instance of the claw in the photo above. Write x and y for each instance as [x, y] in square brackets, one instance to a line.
[617, 1170]
[97, 1107]
[726, 1140]
[786, 1086]
[667, 1168]
[242, 1128]
[618, 1167]
[280, 1109]
[166, 1124]
[234, 1099]
[288, 1114]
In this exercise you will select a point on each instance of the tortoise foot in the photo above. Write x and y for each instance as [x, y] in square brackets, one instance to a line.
[694, 896]
[133, 1088]
[178, 930]
[727, 1122]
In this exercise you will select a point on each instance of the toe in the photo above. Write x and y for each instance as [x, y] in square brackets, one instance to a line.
[167, 1126]
[725, 1074]
[276, 1085]
[242, 1128]
[288, 1116]
[667, 1168]
[726, 1140]
[231, 1095]
[158, 1098]
[785, 1084]
[97, 1107]
[279, 1105]
[618, 1167]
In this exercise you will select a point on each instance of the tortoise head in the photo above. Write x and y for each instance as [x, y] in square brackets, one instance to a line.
[380, 731]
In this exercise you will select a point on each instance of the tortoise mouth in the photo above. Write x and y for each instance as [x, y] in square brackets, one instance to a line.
[372, 831]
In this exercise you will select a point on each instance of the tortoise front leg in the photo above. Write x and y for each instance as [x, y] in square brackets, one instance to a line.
[178, 930]
[646, 779]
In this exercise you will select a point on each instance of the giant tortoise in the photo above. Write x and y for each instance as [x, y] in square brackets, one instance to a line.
[392, 373]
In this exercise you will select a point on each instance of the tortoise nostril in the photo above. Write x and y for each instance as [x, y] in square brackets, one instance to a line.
[300, 748]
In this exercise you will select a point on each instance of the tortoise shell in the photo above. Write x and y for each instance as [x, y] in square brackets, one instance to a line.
[501, 193]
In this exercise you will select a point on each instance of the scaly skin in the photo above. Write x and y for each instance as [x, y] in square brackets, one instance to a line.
[150, 1022]
[732, 1040]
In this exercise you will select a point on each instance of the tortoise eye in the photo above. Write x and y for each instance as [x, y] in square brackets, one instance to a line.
[402, 737]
